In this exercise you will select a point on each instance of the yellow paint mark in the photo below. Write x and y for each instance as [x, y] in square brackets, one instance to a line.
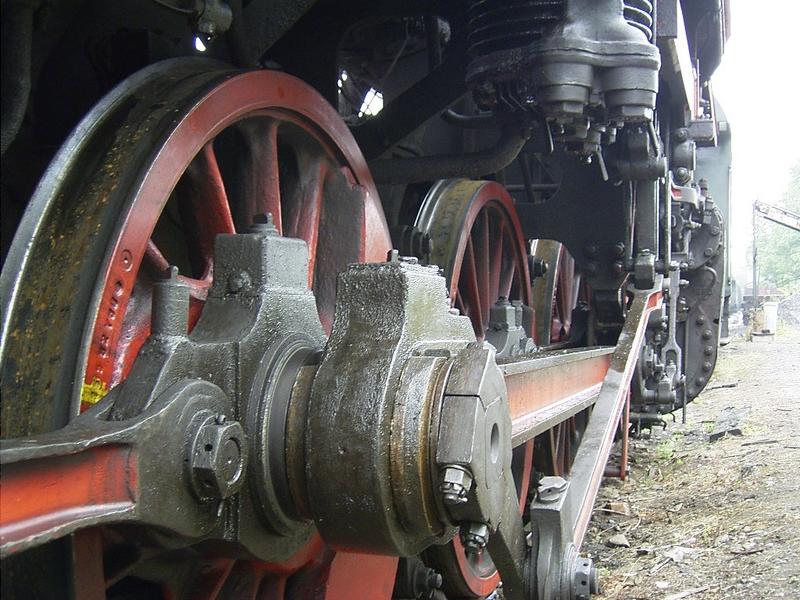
[92, 393]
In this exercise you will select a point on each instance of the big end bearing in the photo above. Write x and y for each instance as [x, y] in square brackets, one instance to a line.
[392, 436]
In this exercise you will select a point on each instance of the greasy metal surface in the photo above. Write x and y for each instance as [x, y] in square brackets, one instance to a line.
[272, 310]
[590, 55]
[404, 420]
[92, 227]
[50, 483]
[414, 483]
[594, 37]
[473, 434]
[66, 230]
[384, 314]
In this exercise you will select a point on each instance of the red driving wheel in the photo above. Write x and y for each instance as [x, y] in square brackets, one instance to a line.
[177, 154]
[556, 295]
[258, 142]
[477, 239]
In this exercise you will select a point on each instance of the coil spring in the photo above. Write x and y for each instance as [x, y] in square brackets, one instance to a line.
[639, 14]
[503, 25]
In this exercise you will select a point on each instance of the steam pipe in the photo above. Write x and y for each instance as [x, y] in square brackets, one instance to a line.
[445, 166]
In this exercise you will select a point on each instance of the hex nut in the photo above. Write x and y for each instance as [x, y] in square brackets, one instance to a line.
[218, 459]
[456, 482]
[551, 487]
[474, 536]
[584, 579]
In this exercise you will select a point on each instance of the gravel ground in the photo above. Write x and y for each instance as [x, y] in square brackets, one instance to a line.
[711, 520]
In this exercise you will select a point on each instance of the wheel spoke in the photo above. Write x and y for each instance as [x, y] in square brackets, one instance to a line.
[134, 333]
[576, 289]
[497, 260]
[552, 439]
[458, 302]
[508, 280]
[259, 176]
[155, 258]
[87, 552]
[508, 271]
[566, 445]
[209, 578]
[525, 476]
[555, 329]
[204, 206]
[243, 582]
[565, 289]
[473, 292]
[302, 212]
[482, 237]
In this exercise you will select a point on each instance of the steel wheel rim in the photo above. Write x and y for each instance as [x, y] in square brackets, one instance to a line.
[468, 221]
[266, 93]
[477, 239]
[555, 294]
[251, 95]
[218, 100]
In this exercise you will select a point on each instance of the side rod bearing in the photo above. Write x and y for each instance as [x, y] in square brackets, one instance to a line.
[396, 437]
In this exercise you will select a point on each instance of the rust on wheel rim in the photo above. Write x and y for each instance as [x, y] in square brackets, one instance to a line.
[477, 239]
[145, 181]
[261, 106]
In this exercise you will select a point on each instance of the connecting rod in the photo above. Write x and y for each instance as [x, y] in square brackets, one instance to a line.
[394, 434]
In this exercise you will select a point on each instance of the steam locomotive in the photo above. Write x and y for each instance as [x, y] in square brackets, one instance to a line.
[316, 299]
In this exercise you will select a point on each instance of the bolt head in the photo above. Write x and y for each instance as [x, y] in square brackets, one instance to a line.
[456, 483]
[264, 223]
[682, 174]
[628, 113]
[238, 282]
[584, 579]
[474, 536]
[551, 487]
[218, 459]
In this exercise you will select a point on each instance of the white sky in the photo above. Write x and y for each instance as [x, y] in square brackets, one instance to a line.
[758, 84]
